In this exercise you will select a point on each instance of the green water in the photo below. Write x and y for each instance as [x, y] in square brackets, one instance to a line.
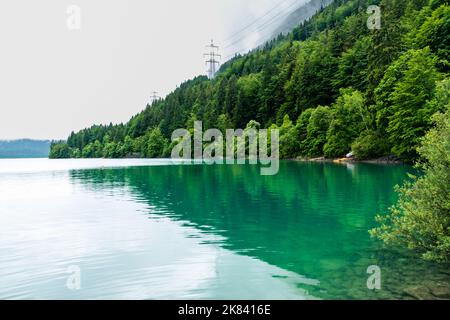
[149, 230]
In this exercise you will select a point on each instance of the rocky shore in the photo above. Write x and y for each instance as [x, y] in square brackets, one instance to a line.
[382, 160]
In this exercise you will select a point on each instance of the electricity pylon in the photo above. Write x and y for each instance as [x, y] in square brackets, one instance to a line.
[211, 59]
[154, 97]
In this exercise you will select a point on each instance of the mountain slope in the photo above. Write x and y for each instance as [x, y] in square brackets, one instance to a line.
[24, 148]
[332, 85]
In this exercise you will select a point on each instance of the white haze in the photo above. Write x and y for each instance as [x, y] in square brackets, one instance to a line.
[53, 80]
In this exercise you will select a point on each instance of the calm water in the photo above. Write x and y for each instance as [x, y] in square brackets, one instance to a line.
[143, 229]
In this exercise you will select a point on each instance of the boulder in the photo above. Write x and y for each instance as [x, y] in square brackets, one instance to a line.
[420, 293]
[440, 290]
[430, 290]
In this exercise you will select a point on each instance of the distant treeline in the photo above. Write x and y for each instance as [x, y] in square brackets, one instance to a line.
[331, 86]
[24, 148]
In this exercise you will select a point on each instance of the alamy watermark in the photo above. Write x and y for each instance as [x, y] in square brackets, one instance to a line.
[374, 281]
[74, 280]
[240, 146]
[374, 20]
[73, 21]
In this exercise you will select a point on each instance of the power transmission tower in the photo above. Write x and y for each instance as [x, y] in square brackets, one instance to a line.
[212, 61]
[154, 96]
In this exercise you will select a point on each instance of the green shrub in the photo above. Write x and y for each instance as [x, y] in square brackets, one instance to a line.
[349, 119]
[421, 218]
[369, 145]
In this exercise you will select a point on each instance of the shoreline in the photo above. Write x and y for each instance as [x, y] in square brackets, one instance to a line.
[382, 160]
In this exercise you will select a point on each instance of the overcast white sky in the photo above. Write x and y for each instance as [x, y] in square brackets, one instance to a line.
[54, 80]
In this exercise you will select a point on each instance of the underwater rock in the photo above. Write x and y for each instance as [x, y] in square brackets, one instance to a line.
[440, 290]
[420, 293]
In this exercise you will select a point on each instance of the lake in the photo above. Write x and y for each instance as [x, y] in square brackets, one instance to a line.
[151, 229]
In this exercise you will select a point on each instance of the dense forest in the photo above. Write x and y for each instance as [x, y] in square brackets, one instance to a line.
[331, 86]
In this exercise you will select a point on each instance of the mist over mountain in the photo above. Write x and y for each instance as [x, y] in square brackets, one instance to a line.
[280, 20]
[304, 12]
[24, 148]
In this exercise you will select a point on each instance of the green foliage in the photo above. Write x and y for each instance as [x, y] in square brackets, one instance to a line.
[391, 72]
[434, 4]
[93, 150]
[60, 150]
[289, 143]
[441, 98]
[353, 65]
[370, 145]
[317, 129]
[311, 83]
[387, 42]
[409, 116]
[154, 144]
[302, 131]
[421, 219]
[435, 33]
[349, 119]
[248, 98]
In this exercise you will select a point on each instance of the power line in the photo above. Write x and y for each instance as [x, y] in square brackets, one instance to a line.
[241, 51]
[211, 59]
[271, 21]
[265, 25]
[256, 20]
[258, 28]
[268, 23]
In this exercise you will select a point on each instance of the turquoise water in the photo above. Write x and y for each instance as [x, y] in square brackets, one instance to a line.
[148, 229]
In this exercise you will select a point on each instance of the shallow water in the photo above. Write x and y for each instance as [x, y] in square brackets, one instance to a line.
[151, 229]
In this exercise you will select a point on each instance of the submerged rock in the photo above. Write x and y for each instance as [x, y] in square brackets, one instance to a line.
[430, 291]
[440, 290]
[419, 293]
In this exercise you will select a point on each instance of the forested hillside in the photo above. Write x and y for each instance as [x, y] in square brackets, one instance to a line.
[332, 85]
